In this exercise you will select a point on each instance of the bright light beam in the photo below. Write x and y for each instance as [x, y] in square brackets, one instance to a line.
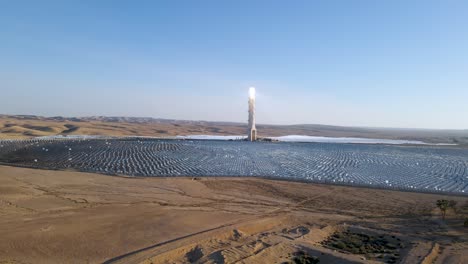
[252, 93]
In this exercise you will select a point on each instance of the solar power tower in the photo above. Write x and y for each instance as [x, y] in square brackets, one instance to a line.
[252, 132]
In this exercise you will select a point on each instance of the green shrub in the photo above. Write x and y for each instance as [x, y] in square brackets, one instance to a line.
[444, 205]
[303, 258]
[339, 245]
[355, 250]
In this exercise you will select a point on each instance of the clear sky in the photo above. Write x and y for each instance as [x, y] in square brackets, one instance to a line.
[354, 63]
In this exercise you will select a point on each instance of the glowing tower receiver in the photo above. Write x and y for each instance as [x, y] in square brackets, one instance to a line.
[252, 133]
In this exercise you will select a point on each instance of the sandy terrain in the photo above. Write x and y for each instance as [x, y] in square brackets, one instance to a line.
[31, 126]
[72, 217]
[13, 127]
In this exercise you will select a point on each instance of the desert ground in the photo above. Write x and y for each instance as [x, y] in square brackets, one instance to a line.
[73, 217]
[28, 126]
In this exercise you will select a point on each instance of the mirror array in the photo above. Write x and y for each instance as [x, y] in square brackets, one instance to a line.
[428, 169]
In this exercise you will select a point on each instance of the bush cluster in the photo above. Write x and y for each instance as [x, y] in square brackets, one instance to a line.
[302, 257]
[356, 243]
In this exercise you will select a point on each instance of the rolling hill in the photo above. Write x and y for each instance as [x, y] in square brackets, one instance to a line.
[27, 126]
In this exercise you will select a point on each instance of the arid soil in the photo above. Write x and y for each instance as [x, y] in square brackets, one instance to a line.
[12, 126]
[72, 217]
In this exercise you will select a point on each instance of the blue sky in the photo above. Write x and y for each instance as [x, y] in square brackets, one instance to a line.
[353, 63]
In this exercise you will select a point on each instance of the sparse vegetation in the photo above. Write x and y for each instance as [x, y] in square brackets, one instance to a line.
[452, 204]
[301, 257]
[444, 205]
[377, 247]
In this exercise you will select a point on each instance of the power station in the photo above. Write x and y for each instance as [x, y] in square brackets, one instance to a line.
[252, 132]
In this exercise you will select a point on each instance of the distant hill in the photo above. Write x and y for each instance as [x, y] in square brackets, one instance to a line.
[26, 126]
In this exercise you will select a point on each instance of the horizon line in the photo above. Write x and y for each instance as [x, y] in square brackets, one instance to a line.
[236, 122]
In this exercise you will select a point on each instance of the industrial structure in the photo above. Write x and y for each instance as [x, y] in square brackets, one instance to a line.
[252, 132]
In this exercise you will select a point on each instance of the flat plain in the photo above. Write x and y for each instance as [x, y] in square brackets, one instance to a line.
[74, 217]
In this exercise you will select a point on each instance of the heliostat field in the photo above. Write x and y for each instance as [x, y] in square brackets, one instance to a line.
[431, 169]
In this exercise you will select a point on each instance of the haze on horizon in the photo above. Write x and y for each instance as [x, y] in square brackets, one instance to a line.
[352, 63]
